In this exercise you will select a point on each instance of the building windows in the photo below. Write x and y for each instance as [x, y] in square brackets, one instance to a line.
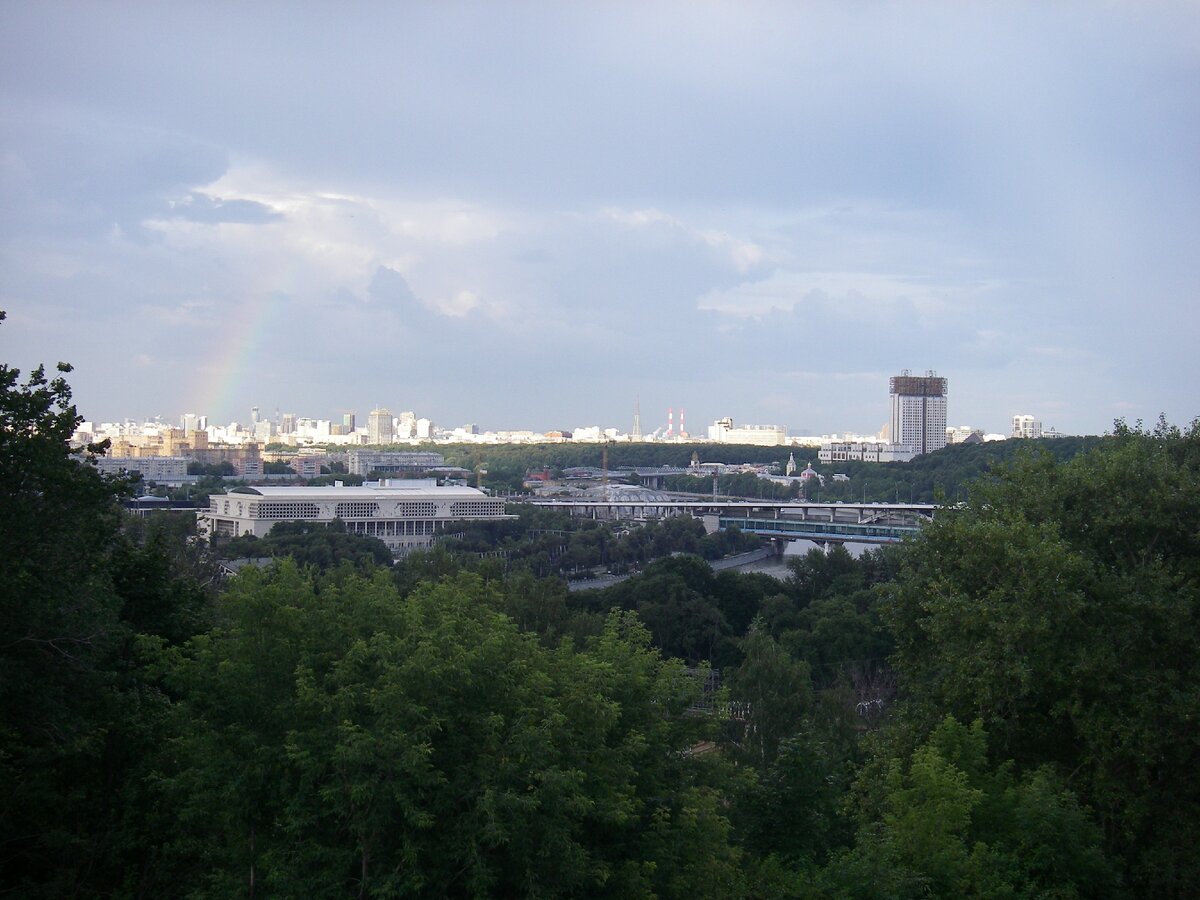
[413, 509]
[356, 510]
[282, 509]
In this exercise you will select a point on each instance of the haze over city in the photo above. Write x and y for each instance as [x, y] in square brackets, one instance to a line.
[533, 216]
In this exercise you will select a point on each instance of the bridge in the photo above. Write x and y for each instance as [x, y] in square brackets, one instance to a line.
[873, 523]
[821, 532]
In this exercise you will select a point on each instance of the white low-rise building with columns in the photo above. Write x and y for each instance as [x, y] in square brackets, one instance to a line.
[404, 514]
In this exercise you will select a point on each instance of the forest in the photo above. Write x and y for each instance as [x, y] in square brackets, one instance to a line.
[1005, 706]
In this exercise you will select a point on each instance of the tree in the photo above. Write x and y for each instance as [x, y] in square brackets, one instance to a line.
[78, 715]
[946, 823]
[1062, 607]
[774, 690]
[320, 544]
[338, 738]
[81, 599]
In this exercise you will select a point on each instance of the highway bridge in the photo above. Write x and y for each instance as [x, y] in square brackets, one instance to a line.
[875, 523]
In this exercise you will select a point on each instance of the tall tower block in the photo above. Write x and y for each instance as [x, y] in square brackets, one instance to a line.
[918, 411]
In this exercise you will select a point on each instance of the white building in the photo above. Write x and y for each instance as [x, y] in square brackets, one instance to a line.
[380, 429]
[162, 469]
[364, 462]
[957, 434]
[723, 431]
[405, 515]
[1026, 427]
[864, 451]
[918, 411]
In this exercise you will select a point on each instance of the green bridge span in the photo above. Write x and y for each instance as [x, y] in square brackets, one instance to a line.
[836, 532]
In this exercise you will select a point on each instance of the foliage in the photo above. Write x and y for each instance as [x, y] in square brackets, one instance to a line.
[1063, 609]
[547, 541]
[77, 715]
[338, 738]
[949, 824]
[225, 467]
[324, 545]
[946, 475]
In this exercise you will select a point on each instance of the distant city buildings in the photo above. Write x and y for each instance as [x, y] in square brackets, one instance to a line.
[366, 462]
[864, 451]
[1026, 427]
[160, 469]
[963, 434]
[918, 417]
[916, 424]
[723, 431]
[380, 428]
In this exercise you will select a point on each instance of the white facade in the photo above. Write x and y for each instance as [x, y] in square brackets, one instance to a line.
[1026, 427]
[956, 434]
[918, 412]
[405, 515]
[723, 431]
[865, 451]
[379, 427]
[152, 468]
[364, 462]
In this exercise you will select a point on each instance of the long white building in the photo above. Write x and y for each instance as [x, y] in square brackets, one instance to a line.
[723, 431]
[405, 515]
[164, 469]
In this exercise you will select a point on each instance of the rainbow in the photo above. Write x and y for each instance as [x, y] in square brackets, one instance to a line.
[228, 380]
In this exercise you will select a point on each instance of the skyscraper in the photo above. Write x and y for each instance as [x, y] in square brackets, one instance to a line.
[918, 411]
[379, 427]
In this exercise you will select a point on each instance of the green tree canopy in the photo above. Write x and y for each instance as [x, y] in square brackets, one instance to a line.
[342, 739]
[1062, 607]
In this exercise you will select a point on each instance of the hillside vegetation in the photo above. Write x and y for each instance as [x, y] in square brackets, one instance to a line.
[1005, 706]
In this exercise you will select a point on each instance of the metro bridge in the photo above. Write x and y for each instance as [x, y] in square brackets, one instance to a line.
[873, 523]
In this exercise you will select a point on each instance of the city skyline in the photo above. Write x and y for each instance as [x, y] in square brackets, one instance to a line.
[537, 217]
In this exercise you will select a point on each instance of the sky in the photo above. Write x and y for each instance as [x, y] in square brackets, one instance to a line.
[539, 215]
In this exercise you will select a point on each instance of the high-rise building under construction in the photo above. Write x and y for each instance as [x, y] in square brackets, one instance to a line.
[918, 411]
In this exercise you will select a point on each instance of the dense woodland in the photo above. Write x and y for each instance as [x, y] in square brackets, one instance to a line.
[1003, 707]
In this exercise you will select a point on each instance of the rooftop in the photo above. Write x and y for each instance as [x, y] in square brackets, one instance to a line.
[373, 490]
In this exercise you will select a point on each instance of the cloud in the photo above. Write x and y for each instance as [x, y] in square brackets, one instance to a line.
[850, 294]
[390, 288]
[741, 253]
[210, 210]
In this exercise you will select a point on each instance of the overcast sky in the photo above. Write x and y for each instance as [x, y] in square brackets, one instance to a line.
[531, 215]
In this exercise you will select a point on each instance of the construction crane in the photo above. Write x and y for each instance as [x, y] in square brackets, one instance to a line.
[480, 471]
